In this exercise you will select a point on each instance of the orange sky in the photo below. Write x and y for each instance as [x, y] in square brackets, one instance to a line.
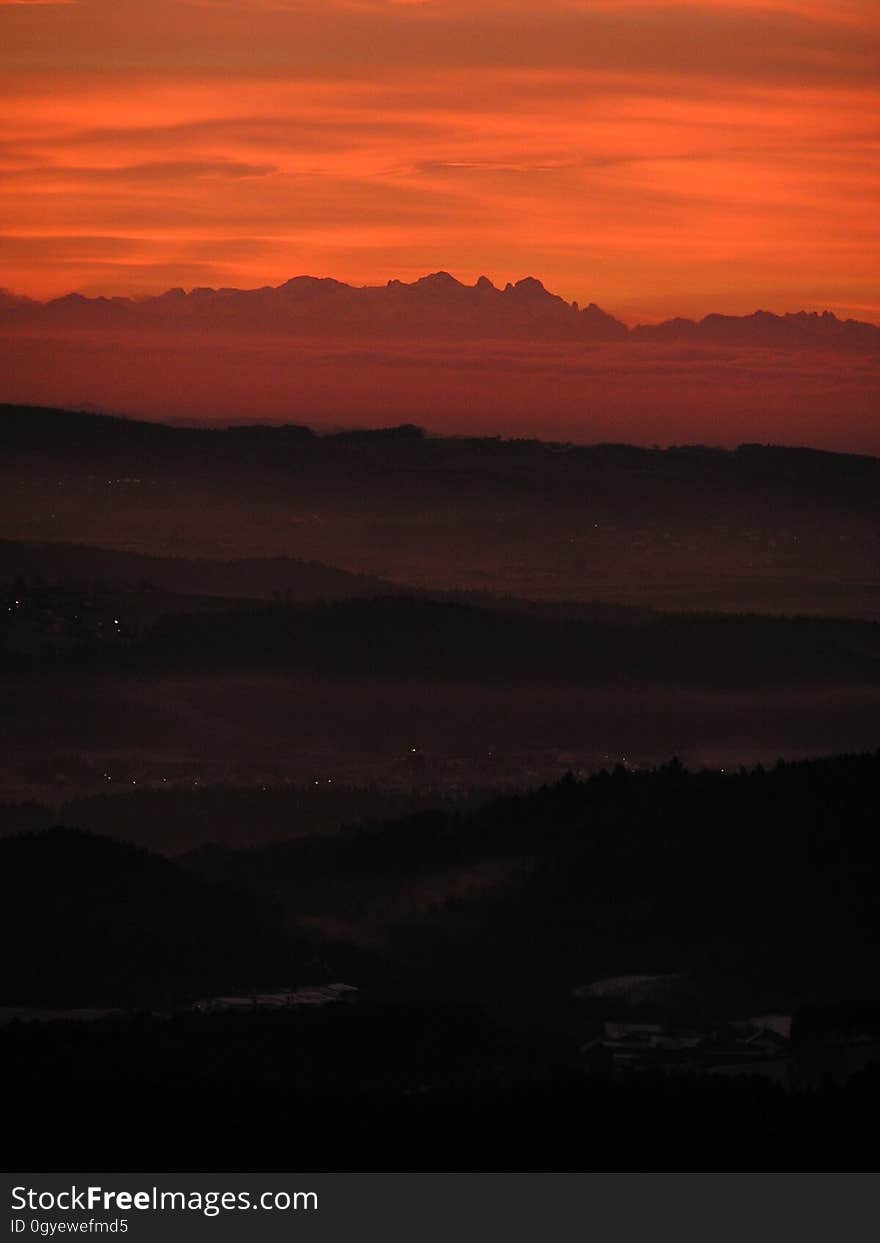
[656, 158]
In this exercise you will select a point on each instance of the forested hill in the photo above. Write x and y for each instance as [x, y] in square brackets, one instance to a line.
[67, 433]
[757, 885]
[406, 636]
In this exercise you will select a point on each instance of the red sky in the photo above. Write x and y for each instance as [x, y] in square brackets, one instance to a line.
[656, 158]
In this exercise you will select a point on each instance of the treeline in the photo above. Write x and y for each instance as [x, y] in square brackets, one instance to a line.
[760, 884]
[400, 636]
[171, 819]
[70, 433]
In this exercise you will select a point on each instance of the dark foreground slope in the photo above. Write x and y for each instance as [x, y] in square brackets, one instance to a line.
[398, 1088]
[86, 921]
[470, 938]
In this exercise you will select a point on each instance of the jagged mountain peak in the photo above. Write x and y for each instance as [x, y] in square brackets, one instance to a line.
[437, 304]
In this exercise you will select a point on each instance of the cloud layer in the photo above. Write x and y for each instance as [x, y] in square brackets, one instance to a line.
[656, 158]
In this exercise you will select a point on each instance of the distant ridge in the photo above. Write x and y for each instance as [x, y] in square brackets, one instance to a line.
[436, 306]
[763, 527]
[52, 429]
[765, 328]
[288, 578]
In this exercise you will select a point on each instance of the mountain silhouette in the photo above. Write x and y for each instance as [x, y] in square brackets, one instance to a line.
[801, 328]
[436, 306]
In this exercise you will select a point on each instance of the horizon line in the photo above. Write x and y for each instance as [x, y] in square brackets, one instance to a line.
[330, 429]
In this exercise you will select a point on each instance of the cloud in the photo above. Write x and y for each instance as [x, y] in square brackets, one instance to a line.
[748, 41]
[657, 158]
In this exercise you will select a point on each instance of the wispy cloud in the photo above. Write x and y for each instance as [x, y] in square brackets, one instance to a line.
[655, 157]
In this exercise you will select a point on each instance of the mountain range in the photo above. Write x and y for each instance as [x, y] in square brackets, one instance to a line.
[436, 306]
